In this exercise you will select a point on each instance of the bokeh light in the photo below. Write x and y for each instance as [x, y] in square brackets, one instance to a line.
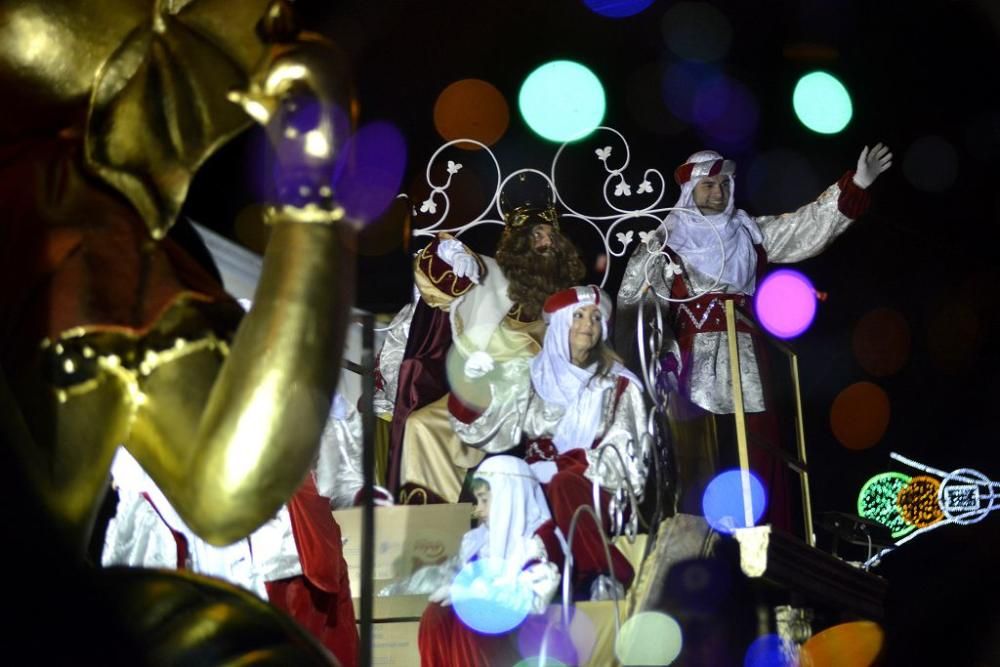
[822, 103]
[471, 109]
[931, 164]
[859, 415]
[699, 585]
[537, 661]
[855, 644]
[649, 638]
[617, 9]
[918, 501]
[681, 83]
[722, 501]
[785, 303]
[697, 31]
[781, 180]
[771, 651]
[877, 501]
[562, 101]
[571, 644]
[488, 597]
[725, 112]
[881, 341]
[373, 171]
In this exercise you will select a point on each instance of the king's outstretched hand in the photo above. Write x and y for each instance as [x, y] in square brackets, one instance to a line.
[871, 163]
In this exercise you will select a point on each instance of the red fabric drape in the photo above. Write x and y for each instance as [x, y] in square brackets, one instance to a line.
[317, 538]
[422, 376]
[327, 616]
[444, 641]
[567, 490]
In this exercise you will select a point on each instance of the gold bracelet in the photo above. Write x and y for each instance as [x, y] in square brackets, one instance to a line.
[310, 214]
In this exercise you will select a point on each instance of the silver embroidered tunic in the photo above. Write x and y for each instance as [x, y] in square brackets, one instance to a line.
[517, 413]
[790, 237]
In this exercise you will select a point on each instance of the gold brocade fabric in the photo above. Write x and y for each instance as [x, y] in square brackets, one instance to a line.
[433, 456]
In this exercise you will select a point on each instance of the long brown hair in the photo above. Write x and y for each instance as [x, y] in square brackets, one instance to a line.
[534, 277]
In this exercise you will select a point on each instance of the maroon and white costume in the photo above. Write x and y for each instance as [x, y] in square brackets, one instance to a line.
[566, 416]
[520, 533]
[718, 258]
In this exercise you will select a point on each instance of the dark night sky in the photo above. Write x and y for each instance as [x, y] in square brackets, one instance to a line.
[927, 248]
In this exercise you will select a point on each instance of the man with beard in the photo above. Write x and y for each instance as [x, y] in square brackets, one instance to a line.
[476, 313]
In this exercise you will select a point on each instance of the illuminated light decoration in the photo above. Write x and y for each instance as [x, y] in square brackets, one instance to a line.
[368, 180]
[771, 651]
[649, 638]
[488, 597]
[965, 496]
[562, 101]
[785, 303]
[931, 164]
[471, 109]
[859, 415]
[881, 341]
[855, 644]
[722, 501]
[617, 9]
[697, 31]
[877, 501]
[918, 501]
[822, 103]
[547, 634]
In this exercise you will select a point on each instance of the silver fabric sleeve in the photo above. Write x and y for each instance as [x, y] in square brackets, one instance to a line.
[391, 357]
[805, 233]
[338, 467]
[623, 429]
[498, 429]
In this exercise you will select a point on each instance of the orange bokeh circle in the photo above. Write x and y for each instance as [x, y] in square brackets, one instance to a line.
[856, 644]
[859, 415]
[881, 341]
[471, 109]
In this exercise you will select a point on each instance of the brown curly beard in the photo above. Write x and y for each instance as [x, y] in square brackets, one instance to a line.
[534, 276]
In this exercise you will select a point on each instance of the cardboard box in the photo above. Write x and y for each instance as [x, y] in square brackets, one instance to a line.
[407, 537]
[395, 644]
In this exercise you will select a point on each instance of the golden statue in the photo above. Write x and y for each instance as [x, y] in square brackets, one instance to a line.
[113, 335]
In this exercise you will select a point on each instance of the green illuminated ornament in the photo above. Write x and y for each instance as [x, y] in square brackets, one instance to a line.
[562, 101]
[877, 501]
[822, 103]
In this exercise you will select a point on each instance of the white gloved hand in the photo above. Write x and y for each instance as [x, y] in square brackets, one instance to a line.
[466, 266]
[544, 470]
[442, 595]
[871, 164]
[478, 364]
[462, 263]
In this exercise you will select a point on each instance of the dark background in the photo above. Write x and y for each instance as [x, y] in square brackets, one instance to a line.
[926, 250]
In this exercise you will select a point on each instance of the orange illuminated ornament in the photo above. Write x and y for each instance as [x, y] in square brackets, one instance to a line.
[918, 501]
[856, 644]
[471, 109]
[859, 415]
